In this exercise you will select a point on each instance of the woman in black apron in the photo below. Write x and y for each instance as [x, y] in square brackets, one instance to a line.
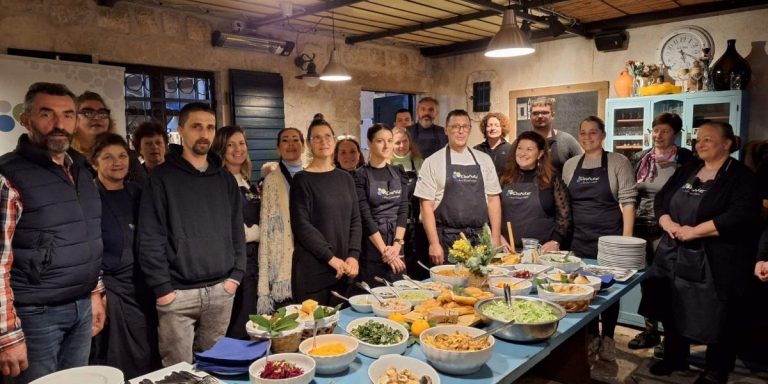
[129, 338]
[602, 190]
[381, 190]
[534, 199]
[230, 145]
[709, 214]
[406, 155]
[495, 128]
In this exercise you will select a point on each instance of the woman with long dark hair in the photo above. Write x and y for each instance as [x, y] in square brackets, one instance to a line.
[382, 193]
[533, 197]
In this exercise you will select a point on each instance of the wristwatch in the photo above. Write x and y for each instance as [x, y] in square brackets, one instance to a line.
[400, 241]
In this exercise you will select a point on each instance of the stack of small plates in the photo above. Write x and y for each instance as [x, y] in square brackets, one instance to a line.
[621, 252]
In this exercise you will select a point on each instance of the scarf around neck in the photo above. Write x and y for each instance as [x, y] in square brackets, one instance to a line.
[650, 160]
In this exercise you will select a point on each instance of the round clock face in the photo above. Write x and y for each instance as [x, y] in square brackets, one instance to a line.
[682, 47]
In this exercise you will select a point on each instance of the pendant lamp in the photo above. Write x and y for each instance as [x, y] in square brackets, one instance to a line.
[510, 41]
[334, 71]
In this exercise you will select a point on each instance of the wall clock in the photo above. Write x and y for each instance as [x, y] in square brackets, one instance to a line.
[681, 47]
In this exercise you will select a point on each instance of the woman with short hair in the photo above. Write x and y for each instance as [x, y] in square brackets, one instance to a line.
[495, 128]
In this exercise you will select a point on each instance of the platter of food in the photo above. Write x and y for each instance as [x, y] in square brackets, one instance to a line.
[451, 307]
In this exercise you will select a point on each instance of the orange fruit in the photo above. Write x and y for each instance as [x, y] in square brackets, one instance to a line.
[397, 317]
[419, 326]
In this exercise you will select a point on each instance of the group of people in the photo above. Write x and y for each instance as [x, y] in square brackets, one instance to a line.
[109, 260]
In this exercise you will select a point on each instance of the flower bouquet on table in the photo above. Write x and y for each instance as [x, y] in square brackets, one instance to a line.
[474, 256]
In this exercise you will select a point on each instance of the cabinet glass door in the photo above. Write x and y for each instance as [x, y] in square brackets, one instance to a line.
[628, 129]
[704, 112]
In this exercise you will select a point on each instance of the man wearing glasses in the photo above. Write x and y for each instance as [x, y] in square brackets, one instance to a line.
[459, 190]
[50, 254]
[562, 146]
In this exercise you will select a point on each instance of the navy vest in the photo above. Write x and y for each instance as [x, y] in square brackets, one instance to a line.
[57, 243]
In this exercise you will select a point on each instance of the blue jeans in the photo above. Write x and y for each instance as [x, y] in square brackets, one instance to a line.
[57, 336]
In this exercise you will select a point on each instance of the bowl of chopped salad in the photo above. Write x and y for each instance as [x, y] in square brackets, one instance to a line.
[563, 260]
[378, 336]
[283, 368]
[535, 319]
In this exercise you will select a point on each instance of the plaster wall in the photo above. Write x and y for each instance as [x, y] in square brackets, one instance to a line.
[134, 33]
[576, 60]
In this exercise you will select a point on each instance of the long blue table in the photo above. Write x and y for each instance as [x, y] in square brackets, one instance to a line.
[509, 361]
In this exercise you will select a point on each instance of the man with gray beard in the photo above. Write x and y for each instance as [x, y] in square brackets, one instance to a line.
[50, 254]
[426, 135]
[191, 239]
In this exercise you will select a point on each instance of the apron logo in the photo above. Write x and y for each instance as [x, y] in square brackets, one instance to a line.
[463, 177]
[388, 195]
[512, 194]
[588, 180]
[690, 190]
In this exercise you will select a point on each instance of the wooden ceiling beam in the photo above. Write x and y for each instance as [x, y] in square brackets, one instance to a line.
[521, 11]
[308, 10]
[675, 14]
[420, 26]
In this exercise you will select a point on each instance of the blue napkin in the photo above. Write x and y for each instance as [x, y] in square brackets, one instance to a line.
[222, 369]
[232, 352]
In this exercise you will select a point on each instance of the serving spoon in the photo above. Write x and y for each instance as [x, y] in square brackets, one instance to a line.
[418, 285]
[493, 330]
[368, 289]
[388, 284]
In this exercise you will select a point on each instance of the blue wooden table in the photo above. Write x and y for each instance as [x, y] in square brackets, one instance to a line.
[510, 360]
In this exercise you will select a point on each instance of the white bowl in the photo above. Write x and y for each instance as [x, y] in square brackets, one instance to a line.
[572, 265]
[307, 321]
[418, 368]
[497, 272]
[456, 362]
[305, 362]
[403, 307]
[416, 296]
[361, 303]
[384, 292]
[374, 351]
[594, 281]
[456, 281]
[522, 288]
[328, 365]
[258, 333]
[572, 302]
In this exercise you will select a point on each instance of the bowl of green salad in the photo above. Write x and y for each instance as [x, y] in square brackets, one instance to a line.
[535, 319]
[378, 336]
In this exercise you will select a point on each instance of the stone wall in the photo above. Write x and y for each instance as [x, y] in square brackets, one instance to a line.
[133, 33]
[575, 60]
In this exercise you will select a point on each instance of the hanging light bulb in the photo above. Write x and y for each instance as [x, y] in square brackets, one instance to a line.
[510, 41]
[334, 71]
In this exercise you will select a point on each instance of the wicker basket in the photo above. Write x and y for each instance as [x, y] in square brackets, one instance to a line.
[574, 306]
[326, 330]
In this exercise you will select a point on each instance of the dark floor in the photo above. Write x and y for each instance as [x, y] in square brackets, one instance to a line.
[632, 367]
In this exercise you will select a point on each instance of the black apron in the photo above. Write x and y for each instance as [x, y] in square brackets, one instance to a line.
[412, 225]
[129, 338]
[384, 200]
[595, 210]
[246, 295]
[697, 312]
[521, 206]
[463, 207]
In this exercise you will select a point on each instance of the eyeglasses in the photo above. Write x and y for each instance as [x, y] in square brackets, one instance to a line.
[321, 138]
[91, 114]
[457, 127]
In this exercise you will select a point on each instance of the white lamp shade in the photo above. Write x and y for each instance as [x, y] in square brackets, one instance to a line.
[510, 41]
[334, 71]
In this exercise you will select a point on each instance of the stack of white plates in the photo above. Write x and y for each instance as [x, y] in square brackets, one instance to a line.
[621, 252]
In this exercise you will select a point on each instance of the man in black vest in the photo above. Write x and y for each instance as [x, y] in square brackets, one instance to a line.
[428, 136]
[191, 239]
[50, 256]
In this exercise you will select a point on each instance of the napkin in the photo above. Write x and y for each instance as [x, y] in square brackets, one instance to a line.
[232, 352]
[222, 369]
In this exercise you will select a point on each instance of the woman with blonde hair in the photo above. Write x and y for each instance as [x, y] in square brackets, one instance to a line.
[230, 144]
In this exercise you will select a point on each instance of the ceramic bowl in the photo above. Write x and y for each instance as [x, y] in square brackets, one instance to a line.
[378, 368]
[455, 362]
[306, 363]
[519, 287]
[361, 303]
[374, 351]
[328, 365]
